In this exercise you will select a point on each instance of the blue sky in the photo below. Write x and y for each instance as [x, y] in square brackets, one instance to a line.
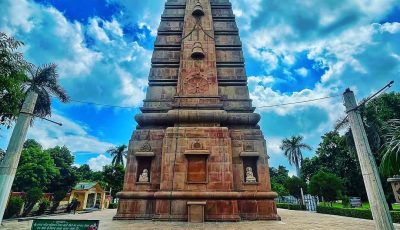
[295, 50]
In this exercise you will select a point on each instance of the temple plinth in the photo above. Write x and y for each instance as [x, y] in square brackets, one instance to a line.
[197, 139]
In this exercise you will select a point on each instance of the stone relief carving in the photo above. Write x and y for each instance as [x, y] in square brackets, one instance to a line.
[146, 147]
[248, 147]
[196, 85]
[250, 176]
[144, 177]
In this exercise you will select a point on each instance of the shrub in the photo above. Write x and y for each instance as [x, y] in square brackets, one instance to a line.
[346, 202]
[32, 197]
[326, 185]
[396, 216]
[352, 212]
[43, 206]
[14, 207]
[113, 206]
[291, 206]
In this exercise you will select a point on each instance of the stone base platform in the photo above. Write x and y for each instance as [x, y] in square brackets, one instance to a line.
[220, 206]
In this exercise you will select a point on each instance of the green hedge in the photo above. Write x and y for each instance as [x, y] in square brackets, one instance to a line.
[291, 206]
[113, 206]
[352, 212]
[14, 207]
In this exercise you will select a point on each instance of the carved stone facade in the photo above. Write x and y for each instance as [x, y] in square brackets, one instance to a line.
[197, 139]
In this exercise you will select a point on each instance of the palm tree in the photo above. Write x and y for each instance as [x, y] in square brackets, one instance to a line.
[390, 164]
[118, 153]
[292, 149]
[43, 80]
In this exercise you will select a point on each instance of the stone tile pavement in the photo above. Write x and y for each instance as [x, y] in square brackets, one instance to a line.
[290, 220]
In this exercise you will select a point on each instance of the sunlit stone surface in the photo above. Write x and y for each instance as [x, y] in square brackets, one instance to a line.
[197, 132]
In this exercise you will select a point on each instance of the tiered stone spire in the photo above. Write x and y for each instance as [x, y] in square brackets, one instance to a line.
[197, 137]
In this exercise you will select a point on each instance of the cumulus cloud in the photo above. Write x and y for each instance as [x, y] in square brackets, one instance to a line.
[349, 40]
[74, 135]
[95, 60]
[71, 134]
[97, 163]
[143, 13]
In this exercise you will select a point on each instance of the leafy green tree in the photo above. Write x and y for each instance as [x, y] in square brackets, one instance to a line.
[294, 185]
[66, 179]
[336, 157]
[278, 177]
[118, 153]
[309, 167]
[30, 143]
[390, 165]
[114, 177]
[32, 196]
[292, 149]
[279, 188]
[36, 169]
[84, 173]
[14, 207]
[326, 185]
[280, 174]
[12, 77]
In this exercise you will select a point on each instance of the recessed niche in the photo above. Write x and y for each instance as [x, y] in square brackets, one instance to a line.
[196, 168]
[250, 162]
[143, 164]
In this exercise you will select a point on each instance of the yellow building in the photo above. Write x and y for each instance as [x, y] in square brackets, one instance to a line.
[90, 195]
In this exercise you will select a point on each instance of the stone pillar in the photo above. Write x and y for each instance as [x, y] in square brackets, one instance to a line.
[85, 200]
[372, 181]
[8, 167]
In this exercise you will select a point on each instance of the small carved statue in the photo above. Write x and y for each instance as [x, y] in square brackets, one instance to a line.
[144, 177]
[249, 175]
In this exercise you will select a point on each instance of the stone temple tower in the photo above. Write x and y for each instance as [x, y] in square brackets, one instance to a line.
[197, 147]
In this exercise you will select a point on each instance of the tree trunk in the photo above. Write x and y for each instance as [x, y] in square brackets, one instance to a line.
[298, 170]
[55, 206]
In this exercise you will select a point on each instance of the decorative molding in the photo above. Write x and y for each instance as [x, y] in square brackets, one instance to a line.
[197, 152]
[196, 203]
[249, 154]
[144, 154]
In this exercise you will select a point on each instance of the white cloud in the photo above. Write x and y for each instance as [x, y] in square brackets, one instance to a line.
[97, 163]
[71, 134]
[302, 72]
[142, 13]
[96, 31]
[95, 60]
[273, 146]
[342, 37]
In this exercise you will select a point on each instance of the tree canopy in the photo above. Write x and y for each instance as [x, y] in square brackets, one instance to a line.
[67, 177]
[12, 76]
[326, 185]
[294, 185]
[36, 169]
[114, 177]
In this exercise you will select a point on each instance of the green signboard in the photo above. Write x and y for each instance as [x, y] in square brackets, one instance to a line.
[48, 224]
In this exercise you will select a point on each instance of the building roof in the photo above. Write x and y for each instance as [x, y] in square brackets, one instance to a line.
[85, 185]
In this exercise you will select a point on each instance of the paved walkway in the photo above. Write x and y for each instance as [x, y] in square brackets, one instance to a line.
[290, 220]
